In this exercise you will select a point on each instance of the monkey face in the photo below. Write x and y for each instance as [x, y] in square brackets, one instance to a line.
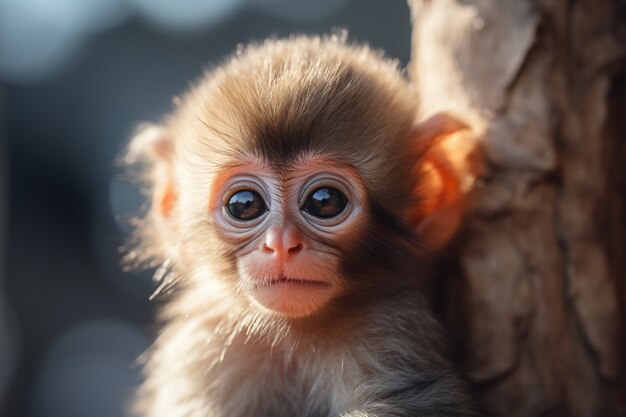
[295, 175]
[287, 226]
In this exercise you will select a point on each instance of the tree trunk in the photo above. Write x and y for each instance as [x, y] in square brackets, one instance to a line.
[539, 304]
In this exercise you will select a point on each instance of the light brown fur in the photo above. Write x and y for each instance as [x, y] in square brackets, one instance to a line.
[375, 350]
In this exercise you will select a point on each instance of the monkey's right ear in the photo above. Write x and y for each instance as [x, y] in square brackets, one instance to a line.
[153, 146]
[443, 145]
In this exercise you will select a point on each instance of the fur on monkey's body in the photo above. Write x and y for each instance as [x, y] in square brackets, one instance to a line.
[374, 349]
[383, 361]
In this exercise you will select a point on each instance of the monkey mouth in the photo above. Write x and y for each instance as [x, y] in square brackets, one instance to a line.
[292, 296]
[283, 280]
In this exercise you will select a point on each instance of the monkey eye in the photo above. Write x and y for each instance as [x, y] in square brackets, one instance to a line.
[325, 203]
[246, 205]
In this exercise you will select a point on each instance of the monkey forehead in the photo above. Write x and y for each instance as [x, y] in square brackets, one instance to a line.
[304, 166]
[286, 97]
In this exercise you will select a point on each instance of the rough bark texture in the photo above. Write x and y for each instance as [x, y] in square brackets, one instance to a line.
[539, 304]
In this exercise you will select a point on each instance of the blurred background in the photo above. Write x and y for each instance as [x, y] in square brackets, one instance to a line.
[76, 76]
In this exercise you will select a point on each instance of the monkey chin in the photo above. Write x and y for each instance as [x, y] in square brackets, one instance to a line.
[292, 297]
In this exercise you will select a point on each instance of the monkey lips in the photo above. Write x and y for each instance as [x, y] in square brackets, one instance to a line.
[290, 296]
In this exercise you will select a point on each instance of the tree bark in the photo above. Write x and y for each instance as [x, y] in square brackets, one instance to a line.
[540, 301]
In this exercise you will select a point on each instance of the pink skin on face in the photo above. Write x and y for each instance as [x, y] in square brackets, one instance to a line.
[282, 280]
[284, 264]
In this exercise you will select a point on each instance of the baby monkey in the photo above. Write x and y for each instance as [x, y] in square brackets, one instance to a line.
[295, 209]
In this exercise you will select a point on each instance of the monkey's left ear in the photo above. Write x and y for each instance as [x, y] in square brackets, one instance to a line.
[443, 145]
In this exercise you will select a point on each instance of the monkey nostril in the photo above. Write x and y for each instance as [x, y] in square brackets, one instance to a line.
[266, 248]
[295, 249]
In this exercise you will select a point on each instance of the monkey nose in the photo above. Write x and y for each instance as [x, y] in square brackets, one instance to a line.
[282, 241]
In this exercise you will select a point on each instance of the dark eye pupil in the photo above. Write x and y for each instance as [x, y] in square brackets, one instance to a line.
[325, 202]
[246, 205]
